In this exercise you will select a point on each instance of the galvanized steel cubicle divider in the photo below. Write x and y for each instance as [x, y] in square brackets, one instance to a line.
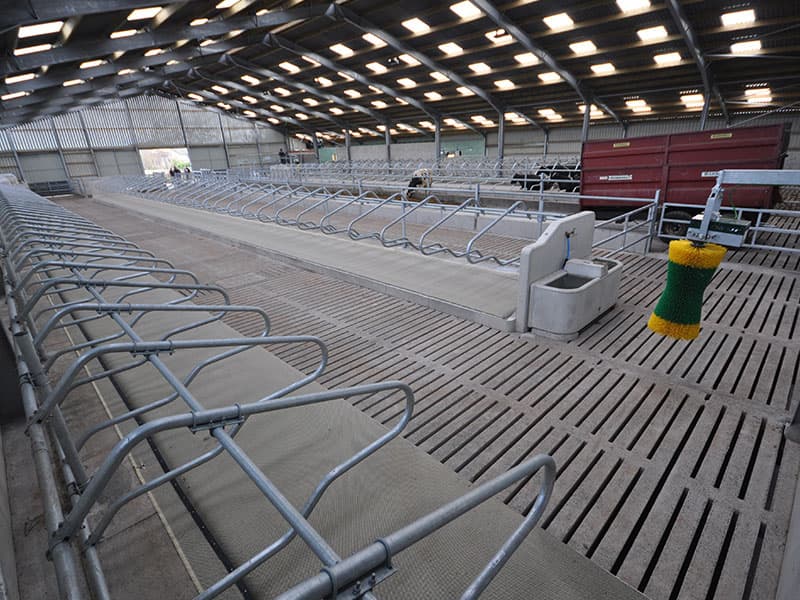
[269, 205]
[87, 273]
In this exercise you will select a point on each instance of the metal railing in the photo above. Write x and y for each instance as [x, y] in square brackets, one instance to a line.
[632, 229]
[65, 274]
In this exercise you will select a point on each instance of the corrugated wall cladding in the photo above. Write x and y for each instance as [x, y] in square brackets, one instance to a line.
[107, 125]
[70, 132]
[202, 126]
[37, 135]
[155, 121]
[238, 131]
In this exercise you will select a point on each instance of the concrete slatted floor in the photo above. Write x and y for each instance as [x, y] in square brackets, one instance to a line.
[673, 472]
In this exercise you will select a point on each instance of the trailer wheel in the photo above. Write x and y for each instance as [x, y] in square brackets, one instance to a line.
[675, 229]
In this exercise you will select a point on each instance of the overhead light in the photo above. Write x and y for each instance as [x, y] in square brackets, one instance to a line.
[505, 84]
[416, 25]
[323, 81]
[19, 78]
[355, 134]
[375, 89]
[603, 68]
[376, 67]
[311, 101]
[407, 82]
[638, 105]
[32, 49]
[652, 33]
[250, 99]
[342, 50]
[226, 4]
[549, 77]
[250, 79]
[249, 113]
[40, 29]
[401, 102]
[632, 5]
[235, 32]
[746, 47]
[194, 96]
[481, 68]
[13, 95]
[558, 21]
[224, 105]
[289, 67]
[409, 60]
[310, 60]
[670, 58]
[465, 91]
[90, 64]
[440, 77]
[546, 112]
[219, 89]
[172, 62]
[526, 59]
[761, 95]
[122, 34]
[466, 9]
[514, 118]
[379, 104]
[499, 37]
[336, 111]
[273, 120]
[301, 116]
[71, 82]
[277, 108]
[126, 71]
[153, 52]
[344, 76]
[140, 14]
[451, 49]
[693, 100]
[584, 47]
[196, 22]
[208, 42]
[282, 91]
[433, 96]
[593, 110]
[477, 118]
[739, 17]
[373, 39]
[353, 93]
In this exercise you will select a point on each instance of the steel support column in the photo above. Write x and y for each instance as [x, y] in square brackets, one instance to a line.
[587, 115]
[224, 143]
[347, 144]
[546, 142]
[437, 140]
[258, 146]
[88, 143]
[14, 152]
[59, 148]
[134, 137]
[704, 112]
[315, 141]
[388, 139]
[501, 142]
[180, 120]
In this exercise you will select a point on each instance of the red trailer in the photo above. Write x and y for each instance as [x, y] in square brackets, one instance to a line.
[682, 165]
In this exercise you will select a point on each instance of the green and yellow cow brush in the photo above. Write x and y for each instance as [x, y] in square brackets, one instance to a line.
[690, 269]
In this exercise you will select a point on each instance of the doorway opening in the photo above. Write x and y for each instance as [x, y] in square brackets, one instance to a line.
[161, 160]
